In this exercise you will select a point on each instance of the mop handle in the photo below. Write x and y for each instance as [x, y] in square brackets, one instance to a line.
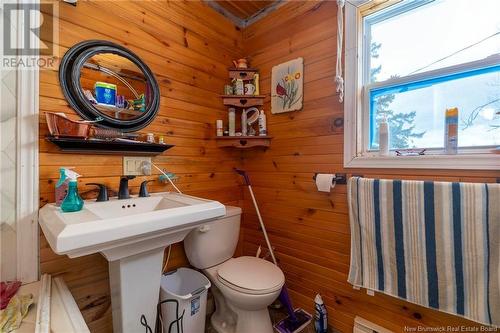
[247, 180]
[244, 174]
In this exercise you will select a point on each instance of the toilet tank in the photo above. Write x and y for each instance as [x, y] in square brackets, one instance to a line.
[214, 242]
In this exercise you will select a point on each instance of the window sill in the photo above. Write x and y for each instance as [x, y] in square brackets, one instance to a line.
[490, 161]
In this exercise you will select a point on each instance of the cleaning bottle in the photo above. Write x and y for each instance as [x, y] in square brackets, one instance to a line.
[320, 316]
[383, 137]
[73, 202]
[262, 124]
[65, 175]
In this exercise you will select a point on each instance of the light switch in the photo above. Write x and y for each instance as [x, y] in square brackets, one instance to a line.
[132, 165]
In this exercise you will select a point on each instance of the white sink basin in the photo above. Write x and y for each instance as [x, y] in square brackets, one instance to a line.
[132, 234]
[104, 226]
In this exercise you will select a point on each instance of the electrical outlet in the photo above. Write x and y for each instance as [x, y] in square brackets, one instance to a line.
[132, 165]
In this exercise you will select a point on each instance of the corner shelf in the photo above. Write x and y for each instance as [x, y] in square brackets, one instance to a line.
[107, 147]
[242, 73]
[243, 101]
[243, 142]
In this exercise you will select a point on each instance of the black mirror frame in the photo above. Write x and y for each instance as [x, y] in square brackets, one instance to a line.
[69, 78]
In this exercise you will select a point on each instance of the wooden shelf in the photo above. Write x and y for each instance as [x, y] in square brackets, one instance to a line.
[243, 142]
[242, 73]
[108, 147]
[235, 69]
[243, 101]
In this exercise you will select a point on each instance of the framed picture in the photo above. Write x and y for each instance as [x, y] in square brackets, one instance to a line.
[287, 86]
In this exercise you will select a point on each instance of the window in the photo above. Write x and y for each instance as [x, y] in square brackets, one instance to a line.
[408, 63]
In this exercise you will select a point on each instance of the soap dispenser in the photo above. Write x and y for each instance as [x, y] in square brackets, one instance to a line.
[73, 202]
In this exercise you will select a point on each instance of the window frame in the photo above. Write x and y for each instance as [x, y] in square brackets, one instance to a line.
[356, 103]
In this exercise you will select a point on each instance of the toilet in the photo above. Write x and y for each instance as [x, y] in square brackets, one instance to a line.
[243, 287]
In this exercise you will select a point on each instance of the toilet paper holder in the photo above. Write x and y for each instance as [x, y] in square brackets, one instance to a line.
[340, 178]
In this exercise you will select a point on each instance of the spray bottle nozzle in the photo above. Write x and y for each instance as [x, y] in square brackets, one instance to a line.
[72, 175]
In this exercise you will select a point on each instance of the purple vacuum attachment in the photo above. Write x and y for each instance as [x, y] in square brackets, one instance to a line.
[297, 319]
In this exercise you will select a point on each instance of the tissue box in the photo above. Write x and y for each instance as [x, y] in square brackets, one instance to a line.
[105, 93]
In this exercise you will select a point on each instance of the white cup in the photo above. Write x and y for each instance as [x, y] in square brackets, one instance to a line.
[249, 89]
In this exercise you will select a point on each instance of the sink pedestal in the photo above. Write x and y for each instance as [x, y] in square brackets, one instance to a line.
[135, 286]
[132, 235]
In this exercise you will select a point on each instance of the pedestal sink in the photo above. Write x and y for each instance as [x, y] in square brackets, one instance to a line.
[132, 235]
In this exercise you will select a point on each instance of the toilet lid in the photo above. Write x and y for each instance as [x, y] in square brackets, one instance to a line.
[251, 273]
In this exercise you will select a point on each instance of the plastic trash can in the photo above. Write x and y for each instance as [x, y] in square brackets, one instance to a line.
[183, 299]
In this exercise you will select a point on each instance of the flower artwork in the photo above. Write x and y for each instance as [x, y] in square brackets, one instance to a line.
[287, 83]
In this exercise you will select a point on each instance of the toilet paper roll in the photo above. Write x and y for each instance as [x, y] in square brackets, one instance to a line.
[324, 182]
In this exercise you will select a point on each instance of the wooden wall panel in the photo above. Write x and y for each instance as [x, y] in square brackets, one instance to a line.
[309, 229]
[189, 47]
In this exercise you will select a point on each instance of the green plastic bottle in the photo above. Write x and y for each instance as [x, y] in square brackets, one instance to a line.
[73, 202]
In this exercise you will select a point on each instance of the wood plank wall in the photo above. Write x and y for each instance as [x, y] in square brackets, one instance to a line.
[310, 230]
[189, 47]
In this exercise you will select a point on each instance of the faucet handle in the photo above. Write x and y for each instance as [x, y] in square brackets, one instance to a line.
[103, 192]
[143, 192]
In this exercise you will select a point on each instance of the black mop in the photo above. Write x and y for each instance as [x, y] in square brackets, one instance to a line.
[297, 319]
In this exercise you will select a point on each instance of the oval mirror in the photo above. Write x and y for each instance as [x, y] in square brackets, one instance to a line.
[108, 83]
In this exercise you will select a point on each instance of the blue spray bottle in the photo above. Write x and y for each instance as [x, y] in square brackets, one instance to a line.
[320, 315]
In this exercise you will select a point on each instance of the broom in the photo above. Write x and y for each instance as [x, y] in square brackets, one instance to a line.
[297, 319]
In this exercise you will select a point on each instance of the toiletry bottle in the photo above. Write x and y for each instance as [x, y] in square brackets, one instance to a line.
[256, 83]
[66, 174]
[451, 131]
[244, 126]
[232, 121]
[262, 124]
[320, 315]
[383, 137]
[73, 202]
[220, 127]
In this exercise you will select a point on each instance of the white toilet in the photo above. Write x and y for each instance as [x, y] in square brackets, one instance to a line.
[243, 287]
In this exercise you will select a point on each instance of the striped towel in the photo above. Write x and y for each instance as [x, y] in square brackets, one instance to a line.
[435, 244]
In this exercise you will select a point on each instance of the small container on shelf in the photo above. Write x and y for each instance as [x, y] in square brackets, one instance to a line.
[228, 89]
[239, 87]
[262, 124]
[220, 127]
[150, 137]
[232, 121]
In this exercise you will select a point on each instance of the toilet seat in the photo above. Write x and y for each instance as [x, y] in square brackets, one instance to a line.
[251, 275]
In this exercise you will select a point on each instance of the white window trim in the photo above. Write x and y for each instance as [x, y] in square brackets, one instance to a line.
[354, 157]
[27, 181]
